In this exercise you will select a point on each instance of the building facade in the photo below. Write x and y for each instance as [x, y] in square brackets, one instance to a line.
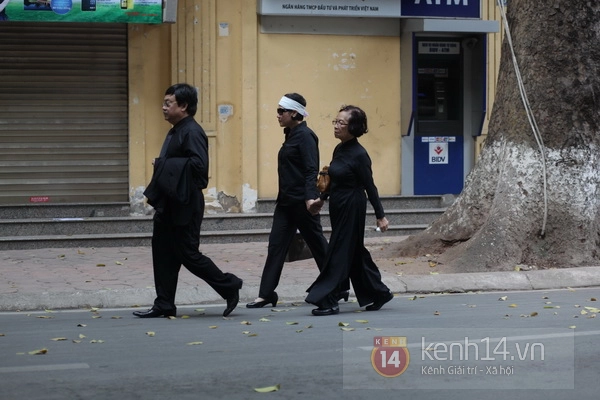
[81, 114]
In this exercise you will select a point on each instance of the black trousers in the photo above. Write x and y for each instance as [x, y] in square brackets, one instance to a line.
[286, 220]
[174, 245]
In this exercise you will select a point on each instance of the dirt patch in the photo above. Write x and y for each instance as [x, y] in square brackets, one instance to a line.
[384, 254]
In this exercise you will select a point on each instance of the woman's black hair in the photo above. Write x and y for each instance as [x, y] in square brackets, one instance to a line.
[185, 94]
[299, 99]
[357, 122]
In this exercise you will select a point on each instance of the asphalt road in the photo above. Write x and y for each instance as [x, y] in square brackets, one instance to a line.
[525, 345]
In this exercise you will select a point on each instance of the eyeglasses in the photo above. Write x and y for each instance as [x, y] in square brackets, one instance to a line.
[168, 103]
[280, 111]
[339, 122]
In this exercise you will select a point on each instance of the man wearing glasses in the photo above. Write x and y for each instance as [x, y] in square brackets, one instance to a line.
[297, 167]
[175, 192]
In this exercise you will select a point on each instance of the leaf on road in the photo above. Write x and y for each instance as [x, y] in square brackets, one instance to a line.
[81, 336]
[513, 305]
[38, 352]
[199, 309]
[436, 313]
[45, 317]
[347, 329]
[118, 263]
[432, 264]
[593, 309]
[280, 309]
[246, 332]
[299, 330]
[246, 323]
[267, 389]
[185, 317]
[291, 323]
[343, 324]
[264, 320]
[115, 317]
[534, 314]
[213, 327]
[253, 334]
[362, 321]
[151, 334]
[194, 343]
[81, 325]
[593, 299]
[58, 339]
[572, 327]
[100, 265]
[503, 298]
[96, 341]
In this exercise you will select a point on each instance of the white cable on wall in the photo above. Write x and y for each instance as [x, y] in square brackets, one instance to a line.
[529, 112]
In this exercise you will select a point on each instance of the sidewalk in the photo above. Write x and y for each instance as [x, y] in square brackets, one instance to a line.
[122, 277]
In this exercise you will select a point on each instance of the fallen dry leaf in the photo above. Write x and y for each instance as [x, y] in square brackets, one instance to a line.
[38, 352]
[267, 389]
[194, 343]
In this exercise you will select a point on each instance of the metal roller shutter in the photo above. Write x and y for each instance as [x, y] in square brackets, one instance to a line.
[63, 113]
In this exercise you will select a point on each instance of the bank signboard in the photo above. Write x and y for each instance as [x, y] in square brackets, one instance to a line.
[124, 11]
[373, 8]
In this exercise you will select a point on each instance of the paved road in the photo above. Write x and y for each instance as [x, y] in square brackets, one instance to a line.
[540, 343]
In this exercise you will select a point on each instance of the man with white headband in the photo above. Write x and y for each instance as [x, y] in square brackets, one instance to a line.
[297, 168]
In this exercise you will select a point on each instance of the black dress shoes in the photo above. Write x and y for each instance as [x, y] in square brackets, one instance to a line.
[379, 303]
[232, 303]
[344, 295]
[260, 304]
[154, 313]
[326, 311]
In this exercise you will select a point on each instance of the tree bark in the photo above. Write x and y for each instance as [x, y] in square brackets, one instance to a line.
[499, 219]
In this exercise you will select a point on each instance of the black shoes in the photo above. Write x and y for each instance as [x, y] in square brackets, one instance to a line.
[344, 295]
[326, 311]
[379, 303]
[232, 303]
[260, 304]
[154, 313]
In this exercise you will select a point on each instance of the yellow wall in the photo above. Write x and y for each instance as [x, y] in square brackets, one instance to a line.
[330, 71]
[149, 72]
[249, 70]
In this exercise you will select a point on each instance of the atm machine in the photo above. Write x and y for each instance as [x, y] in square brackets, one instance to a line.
[447, 110]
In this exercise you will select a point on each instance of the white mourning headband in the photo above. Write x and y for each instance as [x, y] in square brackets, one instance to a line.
[290, 104]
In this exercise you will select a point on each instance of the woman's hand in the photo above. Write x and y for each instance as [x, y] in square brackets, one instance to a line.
[314, 206]
[383, 224]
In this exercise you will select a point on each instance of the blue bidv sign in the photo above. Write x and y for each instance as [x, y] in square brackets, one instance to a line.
[441, 8]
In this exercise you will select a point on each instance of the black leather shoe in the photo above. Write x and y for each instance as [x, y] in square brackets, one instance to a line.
[326, 311]
[154, 313]
[232, 303]
[272, 299]
[379, 303]
[344, 295]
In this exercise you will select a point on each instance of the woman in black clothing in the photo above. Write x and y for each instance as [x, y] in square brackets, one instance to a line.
[351, 176]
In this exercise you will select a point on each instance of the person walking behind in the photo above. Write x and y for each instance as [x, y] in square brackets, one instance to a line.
[297, 168]
[175, 192]
[351, 176]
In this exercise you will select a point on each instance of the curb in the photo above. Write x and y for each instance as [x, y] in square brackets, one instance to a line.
[443, 283]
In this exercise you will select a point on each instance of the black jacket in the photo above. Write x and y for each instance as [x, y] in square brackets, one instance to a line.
[175, 190]
[298, 166]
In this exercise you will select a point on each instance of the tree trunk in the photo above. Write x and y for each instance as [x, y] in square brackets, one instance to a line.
[499, 220]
